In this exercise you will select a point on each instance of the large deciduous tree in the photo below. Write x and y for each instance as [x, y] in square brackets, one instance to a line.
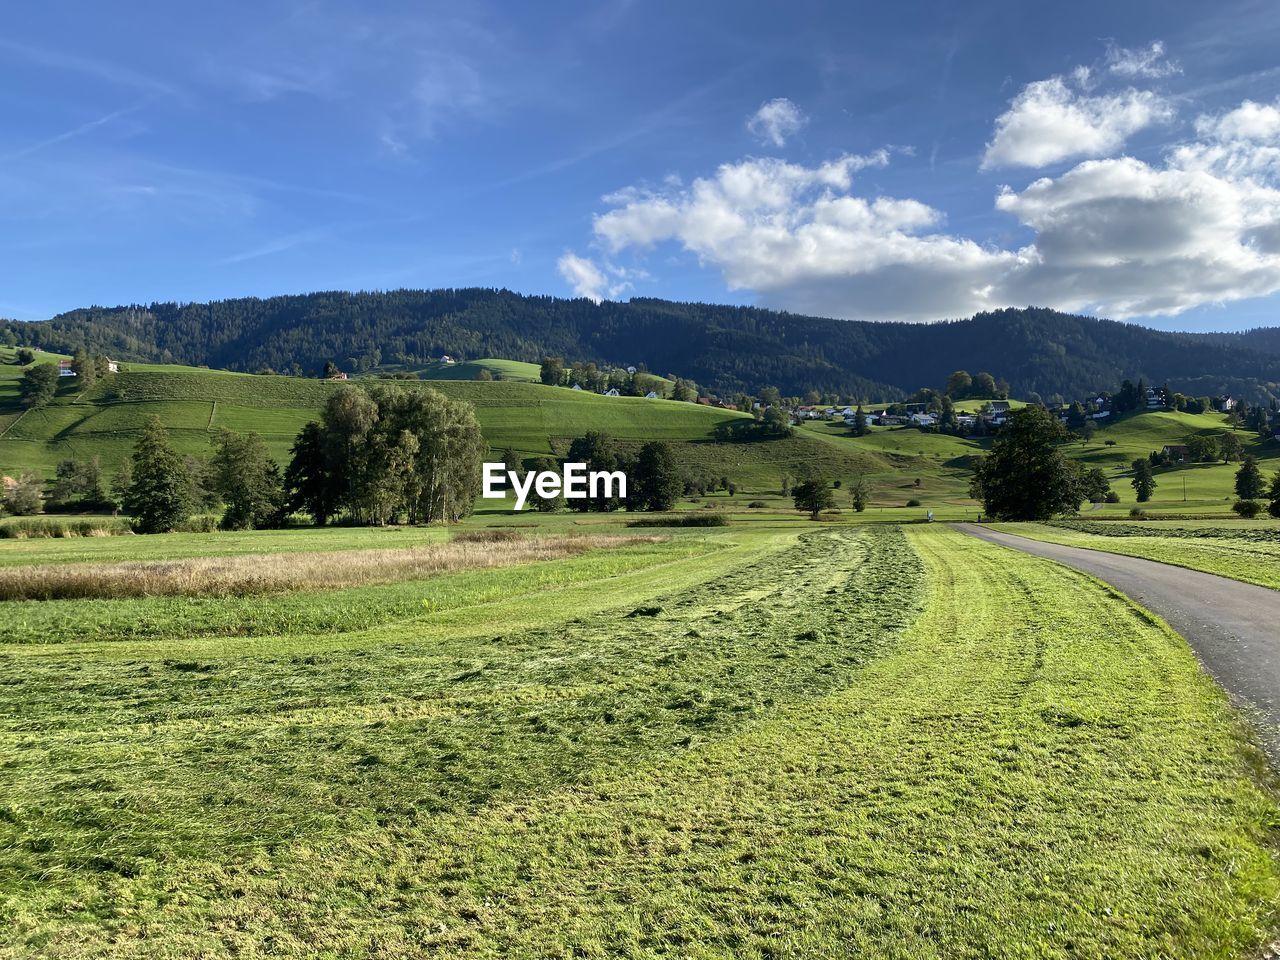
[1025, 476]
[38, 386]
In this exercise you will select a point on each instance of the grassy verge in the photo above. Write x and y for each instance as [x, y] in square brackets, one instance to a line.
[1245, 552]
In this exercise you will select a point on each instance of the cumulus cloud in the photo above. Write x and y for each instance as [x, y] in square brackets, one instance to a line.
[593, 281]
[1054, 120]
[776, 121]
[1147, 62]
[1116, 235]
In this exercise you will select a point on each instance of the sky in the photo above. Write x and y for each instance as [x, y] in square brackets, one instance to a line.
[906, 161]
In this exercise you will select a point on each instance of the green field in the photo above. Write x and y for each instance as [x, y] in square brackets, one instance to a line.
[763, 740]
[1242, 549]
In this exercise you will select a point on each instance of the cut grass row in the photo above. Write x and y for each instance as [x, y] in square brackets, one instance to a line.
[1250, 553]
[868, 742]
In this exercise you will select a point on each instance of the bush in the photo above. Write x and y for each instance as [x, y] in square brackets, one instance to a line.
[688, 520]
[59, 529]
[1137, 513]
[201, 524]
[913, 502]
[757, 504]
[1247, 509]
[491, 535]
[1111, 497]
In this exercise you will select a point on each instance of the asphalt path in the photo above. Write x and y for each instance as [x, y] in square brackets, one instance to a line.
[1233, 627]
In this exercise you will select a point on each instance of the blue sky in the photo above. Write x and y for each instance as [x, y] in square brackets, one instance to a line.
[879, 161]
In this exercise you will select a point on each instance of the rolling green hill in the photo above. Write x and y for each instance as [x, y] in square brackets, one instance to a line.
[530, 418]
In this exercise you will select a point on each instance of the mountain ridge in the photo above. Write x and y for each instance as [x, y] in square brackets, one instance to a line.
[724, 348]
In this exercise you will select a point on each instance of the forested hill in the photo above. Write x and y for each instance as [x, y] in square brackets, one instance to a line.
[724, 348]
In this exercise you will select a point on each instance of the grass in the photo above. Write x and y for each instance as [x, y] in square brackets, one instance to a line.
[1246, 551]
[254, 574]
[743, 742]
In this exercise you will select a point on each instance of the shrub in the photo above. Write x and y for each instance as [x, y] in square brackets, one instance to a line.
[490, 535]
[688, 520]
[913, 502]
[1247, 509]
[53, 528]
[1137, 513]
[1111, 497]
[757, 504]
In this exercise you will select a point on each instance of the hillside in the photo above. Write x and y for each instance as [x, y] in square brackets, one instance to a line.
[532, 419]
[724, 348]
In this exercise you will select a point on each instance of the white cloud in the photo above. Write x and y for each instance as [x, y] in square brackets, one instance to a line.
[590, 280]
[1147, 62]
[1051, 121]
[1118, 235]
[776, 121]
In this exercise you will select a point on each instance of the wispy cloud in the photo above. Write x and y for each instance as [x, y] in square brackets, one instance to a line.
[281, 244]
[71, 134]
[107, 70]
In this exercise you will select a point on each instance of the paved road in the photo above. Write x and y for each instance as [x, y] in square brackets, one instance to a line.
[1233, 627]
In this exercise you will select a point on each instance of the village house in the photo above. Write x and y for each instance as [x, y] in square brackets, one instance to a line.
[1175, 452]
[64, 369]
[612, 392]
[337, 375]
[651, 395]
[1156, 399]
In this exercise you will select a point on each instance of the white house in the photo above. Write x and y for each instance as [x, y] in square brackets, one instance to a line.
[112, 366]
[445, 358]
[924, 419]
[651, 395]
[612, 393]
[577, 387]
[64, 369]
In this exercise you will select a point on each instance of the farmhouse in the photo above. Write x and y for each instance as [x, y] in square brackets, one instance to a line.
[337, 375]
[1156, 399]
[1175, 452]
[651, 395]
[612, 392]
[445, 358]
[64, 369]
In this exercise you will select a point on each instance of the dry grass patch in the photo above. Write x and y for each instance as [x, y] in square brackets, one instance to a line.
[267, 573]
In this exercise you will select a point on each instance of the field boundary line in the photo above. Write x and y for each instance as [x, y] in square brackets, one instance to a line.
[14, 423]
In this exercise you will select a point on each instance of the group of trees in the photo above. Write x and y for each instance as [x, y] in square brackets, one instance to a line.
[588, 376]
[386, 454]
[983, 386]
[39, 383]
[1251, 487]
[655, 477]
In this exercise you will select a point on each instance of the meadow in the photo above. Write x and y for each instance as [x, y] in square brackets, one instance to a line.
[768, 739]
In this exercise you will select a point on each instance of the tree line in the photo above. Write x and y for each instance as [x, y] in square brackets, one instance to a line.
[726, 348]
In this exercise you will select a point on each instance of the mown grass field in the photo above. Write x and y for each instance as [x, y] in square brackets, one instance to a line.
[771, 739]
[1242, 550]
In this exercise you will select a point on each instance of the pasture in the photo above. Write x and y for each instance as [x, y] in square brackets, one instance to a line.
[773, 738]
